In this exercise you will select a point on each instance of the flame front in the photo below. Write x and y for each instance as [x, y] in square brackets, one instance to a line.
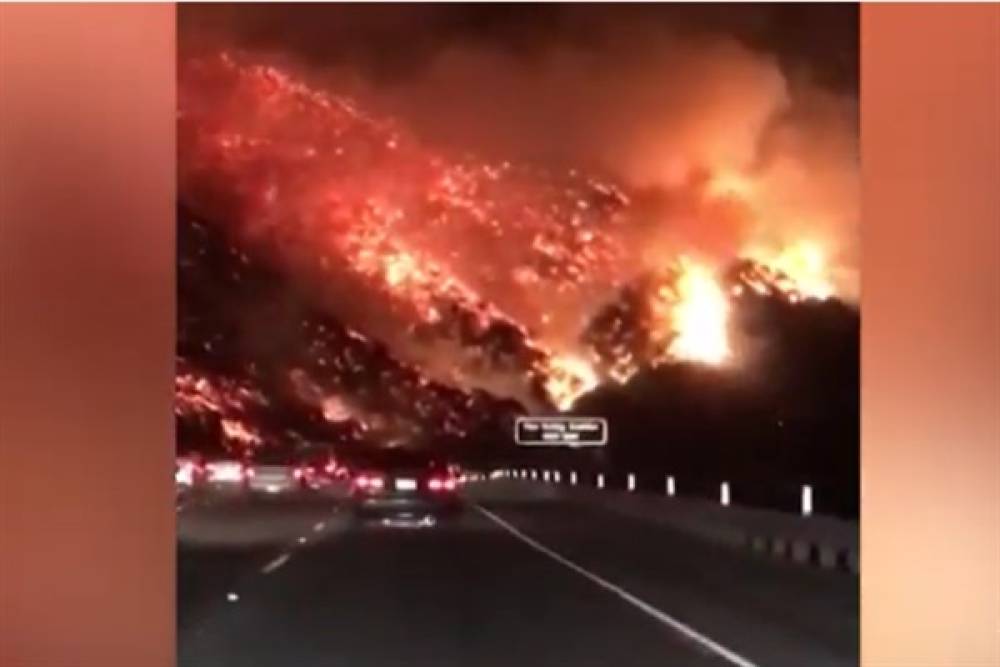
[487, 276]
[700, 317]
[568, 377]
[799, 270]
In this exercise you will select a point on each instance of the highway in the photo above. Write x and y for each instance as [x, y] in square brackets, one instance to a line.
[514, 581]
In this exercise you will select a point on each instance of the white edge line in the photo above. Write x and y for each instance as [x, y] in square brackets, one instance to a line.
[642, 605]
[275, 564]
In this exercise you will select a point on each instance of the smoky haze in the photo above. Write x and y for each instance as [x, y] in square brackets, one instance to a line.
[673, 101]
[498, 194]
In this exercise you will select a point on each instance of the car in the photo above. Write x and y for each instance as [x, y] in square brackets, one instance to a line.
[321, 470]
[276, 471]
[227, 476]
[189, 472]
[402, 485]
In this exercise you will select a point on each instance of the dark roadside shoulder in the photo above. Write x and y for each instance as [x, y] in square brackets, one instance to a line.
[774, 612]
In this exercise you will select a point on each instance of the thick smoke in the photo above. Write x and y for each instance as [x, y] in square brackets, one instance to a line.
[676, 118]
[632, 142]
[675, 101]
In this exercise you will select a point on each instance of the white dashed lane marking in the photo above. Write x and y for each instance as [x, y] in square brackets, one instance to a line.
[275, 564]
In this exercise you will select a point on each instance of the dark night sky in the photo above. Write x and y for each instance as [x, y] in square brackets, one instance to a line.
[390, 41]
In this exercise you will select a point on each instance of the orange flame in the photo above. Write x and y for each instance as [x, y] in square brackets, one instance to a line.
[803, 268]
[700, 316]
[569, 377]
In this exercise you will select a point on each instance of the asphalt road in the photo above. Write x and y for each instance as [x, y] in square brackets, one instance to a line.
[539, 583]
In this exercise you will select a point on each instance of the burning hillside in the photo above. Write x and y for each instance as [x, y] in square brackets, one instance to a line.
[420, 289]
[257, 363]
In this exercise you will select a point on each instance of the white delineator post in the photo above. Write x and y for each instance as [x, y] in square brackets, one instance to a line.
[671, 489]
[631, 482]
[600, 480]
[807, 500]
[572, 478]
[555, 476]
[724, 494]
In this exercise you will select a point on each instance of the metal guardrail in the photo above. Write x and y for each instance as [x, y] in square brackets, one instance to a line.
[800, 499]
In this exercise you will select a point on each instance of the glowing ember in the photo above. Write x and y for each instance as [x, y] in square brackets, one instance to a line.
[457, 277]
[196, 393]
[568, 378]
[800, 270]
[240, 432]
[334, 409]
[700, 317]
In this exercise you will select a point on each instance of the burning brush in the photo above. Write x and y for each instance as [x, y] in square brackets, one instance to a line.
[477, 278]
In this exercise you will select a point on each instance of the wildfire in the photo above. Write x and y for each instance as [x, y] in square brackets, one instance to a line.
[699, 319]
[197, 393]
[335, 410]
[730, 185]
[468, 270]
[240, 432]
[799, 270]
[568, 377]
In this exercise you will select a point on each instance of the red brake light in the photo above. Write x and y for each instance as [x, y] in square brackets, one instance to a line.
[441, 484]
[369, 482]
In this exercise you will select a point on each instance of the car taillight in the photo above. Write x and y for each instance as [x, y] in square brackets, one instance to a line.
[331, 468]
[441, 484]
[184, 474]
[369, 482]
[298, 473]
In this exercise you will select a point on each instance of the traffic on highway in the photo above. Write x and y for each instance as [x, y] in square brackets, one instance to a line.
[517, 335]
[477, 567]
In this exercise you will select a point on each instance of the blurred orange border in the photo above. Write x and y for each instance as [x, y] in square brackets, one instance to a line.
[930, 527]
[87, 326]
[87, 335]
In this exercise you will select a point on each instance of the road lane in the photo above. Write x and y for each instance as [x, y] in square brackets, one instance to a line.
[225, 542]
[471, 593]
[772, 612]
[666, 619]
[461, 594]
